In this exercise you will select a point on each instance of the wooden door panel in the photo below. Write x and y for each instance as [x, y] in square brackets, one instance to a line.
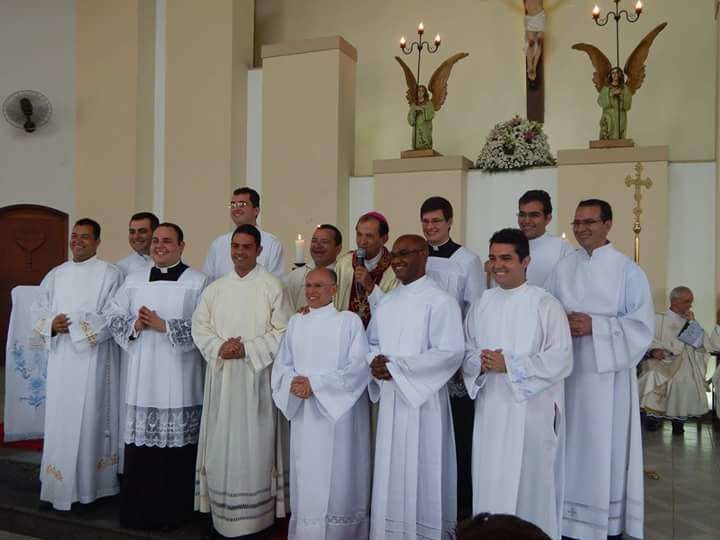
[33, 240]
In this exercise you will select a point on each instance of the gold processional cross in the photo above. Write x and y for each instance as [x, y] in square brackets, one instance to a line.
[638, 182]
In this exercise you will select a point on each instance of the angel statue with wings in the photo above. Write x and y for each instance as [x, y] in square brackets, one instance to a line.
[423, 106]
[616, 86]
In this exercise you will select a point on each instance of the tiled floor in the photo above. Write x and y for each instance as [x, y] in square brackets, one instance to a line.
[684, 503]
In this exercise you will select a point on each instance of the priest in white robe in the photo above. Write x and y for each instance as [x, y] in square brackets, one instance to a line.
[319, 380]
[534, 215]
[151, 321]
[672, 382]
[518, 353]
[610, 311]
[416, 345]
[244, 209]
[325, 247]
[364, 275]
[237, 326]
[460, 273]
[140, 232]
[80, 453]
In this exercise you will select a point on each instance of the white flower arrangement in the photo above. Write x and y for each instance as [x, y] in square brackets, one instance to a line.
[515, 144]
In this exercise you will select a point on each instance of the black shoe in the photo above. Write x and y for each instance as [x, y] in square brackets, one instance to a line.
[652, 424]
[678, 428]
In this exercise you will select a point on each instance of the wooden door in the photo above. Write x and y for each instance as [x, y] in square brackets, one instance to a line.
[33, 240]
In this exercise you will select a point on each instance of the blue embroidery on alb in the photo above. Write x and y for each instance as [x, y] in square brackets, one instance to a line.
[32, 366]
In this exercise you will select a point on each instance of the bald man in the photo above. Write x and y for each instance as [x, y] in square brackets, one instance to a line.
[416, 344]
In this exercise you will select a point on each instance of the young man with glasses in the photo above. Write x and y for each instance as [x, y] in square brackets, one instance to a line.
[612, 321]
[244, 210]
[534, 215]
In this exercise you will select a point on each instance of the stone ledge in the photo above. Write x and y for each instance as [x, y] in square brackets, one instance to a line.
[427, 164]
[613, 155]
[303, 46]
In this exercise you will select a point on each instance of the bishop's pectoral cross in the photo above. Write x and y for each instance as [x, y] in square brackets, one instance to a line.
[638, 183]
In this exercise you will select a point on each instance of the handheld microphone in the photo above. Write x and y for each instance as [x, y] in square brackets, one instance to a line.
[360, 257]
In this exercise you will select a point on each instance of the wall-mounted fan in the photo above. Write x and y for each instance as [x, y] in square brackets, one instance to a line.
[27, 109]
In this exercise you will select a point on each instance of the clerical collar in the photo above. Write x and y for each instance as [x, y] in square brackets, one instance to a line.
[444, 251]
[418, 283]
[168, 273]
[144, 257]
[86, 261]
[602, 249]
[370, 264]
[514, 290]
[250, 275]
[540, 238]
[325, 310]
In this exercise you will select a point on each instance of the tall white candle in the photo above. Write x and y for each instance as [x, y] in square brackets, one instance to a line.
[299, 250]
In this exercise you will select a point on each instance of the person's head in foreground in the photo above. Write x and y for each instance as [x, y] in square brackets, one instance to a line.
[498, 527]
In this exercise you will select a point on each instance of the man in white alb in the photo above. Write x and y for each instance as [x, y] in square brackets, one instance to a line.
[534, 215]
[79, 461]
[319, 380]
[244, 209]
[672, 380]
[518, 352]
[325, 247]
[416, 345]
[610, 312]
[140, 232]
[150, 319]
[460, 273]
[237, 326]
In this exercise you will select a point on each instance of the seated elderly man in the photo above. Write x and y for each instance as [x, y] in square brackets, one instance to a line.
[672, 383]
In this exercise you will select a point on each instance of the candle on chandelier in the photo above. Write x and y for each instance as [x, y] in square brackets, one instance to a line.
[299, 250]
[638, 7]
[421, 28]
[402, 42]
[596, 12]
[437, 39]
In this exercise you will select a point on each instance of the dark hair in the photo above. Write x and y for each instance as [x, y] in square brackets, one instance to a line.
[87, 222]
[605, 208]
[622, 75]
[487, 526]
[254, 195]
[154, 221]
[335, 230]
[437, 203]
[515, 237]
[176, 228]
[537, 195]
[383, 227]
[248, 229]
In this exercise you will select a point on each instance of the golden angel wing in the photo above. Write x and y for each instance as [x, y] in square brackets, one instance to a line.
[438, 82]
[599, 61]
[635, 65]
[411, 94]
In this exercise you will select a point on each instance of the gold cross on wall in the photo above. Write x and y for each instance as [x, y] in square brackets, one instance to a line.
[638, 182]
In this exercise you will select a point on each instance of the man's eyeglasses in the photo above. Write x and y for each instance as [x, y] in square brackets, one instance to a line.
[238, 204]
[531, 215]
[584, 222]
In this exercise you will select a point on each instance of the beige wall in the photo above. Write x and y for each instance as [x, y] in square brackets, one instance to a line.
[672, 108]
[602, 178]
[205, 95]
[106, 122]
[307, 137]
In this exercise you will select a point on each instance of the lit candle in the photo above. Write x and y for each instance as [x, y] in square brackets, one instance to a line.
[437, 39]
[421, 28]
[563, 236]
[299, 250]
[596, 12]
[402, 42]
[638, 7]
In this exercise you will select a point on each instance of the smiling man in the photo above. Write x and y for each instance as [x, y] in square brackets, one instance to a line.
[325, 247]
[140, 233]
[416, 345]
[610, 312]
[244, 210]
[518, 351]
[237, 326]
[319, 380]
[534, 216]
[80, 458]
[150, 320]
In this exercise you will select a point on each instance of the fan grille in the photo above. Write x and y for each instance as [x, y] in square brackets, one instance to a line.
[42, 110]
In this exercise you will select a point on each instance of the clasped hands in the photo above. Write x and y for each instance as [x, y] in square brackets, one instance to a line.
[60, 324]
[379, 368]
[300, 387]
[232, 349]
[492, 361]
[148, 318]
[580, 324]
